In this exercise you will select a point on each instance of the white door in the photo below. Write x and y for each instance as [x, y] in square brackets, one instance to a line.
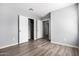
[23, 29]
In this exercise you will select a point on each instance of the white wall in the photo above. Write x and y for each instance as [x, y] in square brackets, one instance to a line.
[64, 26]
[39, 29]
[9, 24]
[78, 19]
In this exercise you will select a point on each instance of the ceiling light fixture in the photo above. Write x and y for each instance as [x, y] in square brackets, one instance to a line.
[31, 9]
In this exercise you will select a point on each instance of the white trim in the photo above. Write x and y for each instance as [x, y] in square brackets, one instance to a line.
[45, 20]
[64, 44]
[8, 45]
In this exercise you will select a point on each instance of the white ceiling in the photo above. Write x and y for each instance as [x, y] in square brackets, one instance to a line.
[40, 9]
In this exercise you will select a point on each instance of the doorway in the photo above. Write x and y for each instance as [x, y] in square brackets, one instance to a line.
[31, 29]
[25, 29]
[46, 29]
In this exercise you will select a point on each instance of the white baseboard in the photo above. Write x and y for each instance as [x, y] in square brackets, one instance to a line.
[8, 45]
[64, 44]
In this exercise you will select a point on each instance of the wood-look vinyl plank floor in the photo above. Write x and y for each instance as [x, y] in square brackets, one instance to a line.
[39, 47]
